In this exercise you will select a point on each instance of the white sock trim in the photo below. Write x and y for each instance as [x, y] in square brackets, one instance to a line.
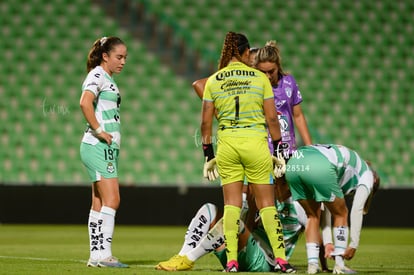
[108, 211]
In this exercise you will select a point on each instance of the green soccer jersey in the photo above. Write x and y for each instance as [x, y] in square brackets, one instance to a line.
[107, 103]
[349, 165]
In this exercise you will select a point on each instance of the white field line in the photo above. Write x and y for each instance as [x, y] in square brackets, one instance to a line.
[57, 260]
[39, 259]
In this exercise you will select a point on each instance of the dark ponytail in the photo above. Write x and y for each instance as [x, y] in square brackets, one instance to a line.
[99, 47]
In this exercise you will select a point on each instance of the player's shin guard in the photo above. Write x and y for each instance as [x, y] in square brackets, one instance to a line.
[273, 228]
[198, 227]
[231, 220]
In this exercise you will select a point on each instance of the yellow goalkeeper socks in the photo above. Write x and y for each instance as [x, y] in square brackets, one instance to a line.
[231, 222]
[273, 228]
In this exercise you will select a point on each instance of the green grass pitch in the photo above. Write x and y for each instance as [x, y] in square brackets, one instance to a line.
[63, 249]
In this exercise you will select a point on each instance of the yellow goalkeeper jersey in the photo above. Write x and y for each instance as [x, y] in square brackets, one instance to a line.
[238, 92]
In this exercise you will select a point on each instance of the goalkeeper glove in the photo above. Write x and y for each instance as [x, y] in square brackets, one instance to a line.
[279, 163]
[210, 168]
[279, 166]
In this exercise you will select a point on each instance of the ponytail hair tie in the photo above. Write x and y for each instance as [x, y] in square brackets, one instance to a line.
[103, 40]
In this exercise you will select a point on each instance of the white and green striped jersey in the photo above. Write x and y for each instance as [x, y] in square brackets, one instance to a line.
[107, 103]
[351, 168]
[355, 178]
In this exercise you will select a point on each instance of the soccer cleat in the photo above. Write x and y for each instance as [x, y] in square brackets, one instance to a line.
[112, 262]
[92, 263]
[232, 266]
[313, 268]
[283, 266]
[343, 270]
[175, 263]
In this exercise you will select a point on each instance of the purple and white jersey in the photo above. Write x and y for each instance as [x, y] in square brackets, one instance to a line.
[287, 95]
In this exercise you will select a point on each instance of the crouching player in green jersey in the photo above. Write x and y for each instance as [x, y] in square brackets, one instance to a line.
[326, 173]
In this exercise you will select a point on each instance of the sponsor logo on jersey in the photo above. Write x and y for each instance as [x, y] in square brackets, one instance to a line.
[222, 75]
[280, 104]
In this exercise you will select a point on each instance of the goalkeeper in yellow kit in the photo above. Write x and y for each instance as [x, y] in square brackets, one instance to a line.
[243, 100]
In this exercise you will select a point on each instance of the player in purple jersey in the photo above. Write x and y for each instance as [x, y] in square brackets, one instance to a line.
[287, 98]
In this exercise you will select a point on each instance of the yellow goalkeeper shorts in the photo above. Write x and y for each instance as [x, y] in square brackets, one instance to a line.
[240, 157]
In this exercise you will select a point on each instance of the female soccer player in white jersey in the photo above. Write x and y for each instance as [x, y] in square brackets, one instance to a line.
[99, 150]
